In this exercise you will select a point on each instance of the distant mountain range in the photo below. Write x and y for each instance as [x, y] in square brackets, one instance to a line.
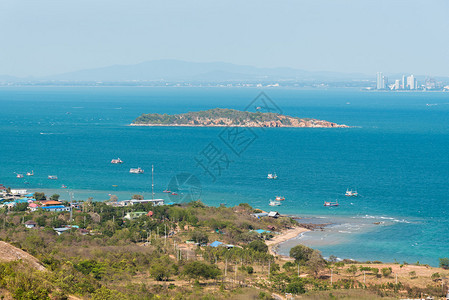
[176, 70]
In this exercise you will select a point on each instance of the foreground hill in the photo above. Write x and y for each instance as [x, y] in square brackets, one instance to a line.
[220, 117]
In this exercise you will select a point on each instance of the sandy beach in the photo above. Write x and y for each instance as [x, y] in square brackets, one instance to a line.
[284, 236]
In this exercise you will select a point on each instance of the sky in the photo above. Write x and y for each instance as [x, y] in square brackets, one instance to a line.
[45, 37]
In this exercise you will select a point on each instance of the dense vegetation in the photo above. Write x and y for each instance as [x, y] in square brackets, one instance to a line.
[164, 256]
[195, 118]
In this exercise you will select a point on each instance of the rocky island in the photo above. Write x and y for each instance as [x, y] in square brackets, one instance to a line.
[230, 117]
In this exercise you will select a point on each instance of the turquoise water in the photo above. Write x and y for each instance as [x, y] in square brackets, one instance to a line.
[397, 157]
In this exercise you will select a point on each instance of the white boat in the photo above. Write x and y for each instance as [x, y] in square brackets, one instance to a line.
[30, 173]
[351, 193]
[116, 161]
[136, 171]
[19, 175]
[331, 203]
[274, 203]
[52, 177]
[279, 198]
[272, 176]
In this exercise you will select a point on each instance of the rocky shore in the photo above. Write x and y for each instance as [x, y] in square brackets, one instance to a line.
[231, 118]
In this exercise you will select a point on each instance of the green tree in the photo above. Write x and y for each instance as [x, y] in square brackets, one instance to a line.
[54, 197]
[301, 253]
[444, 263]
[39, 196]
[316, 262]
[138, 197]
[199, 269]
[258, 246]
[160, 272]
[200, 237]
[296, 287]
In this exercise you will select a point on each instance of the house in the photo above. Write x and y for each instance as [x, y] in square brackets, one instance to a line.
[260, 215]
[19, 192]
[61, 230]
[134, 215]
[56, 208]
[155, 202]
[274, 214]
[260, 231]
[215, 244]
[84, 231]
[33, 206]
[271, 227]
[30, 224]
[50, 203]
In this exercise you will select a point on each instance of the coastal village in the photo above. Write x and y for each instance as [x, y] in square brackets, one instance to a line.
[187, 251]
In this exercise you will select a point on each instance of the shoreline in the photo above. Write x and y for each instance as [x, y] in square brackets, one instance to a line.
[224, 125]
[283, 237]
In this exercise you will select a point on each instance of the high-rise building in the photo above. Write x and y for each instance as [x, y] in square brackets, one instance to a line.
[397, 84]
[411, 82]
[404, 83]
[381, 81]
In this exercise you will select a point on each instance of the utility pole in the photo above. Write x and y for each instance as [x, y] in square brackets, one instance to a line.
[298, 269]
[396, 278]
[165, 237]
[364, 281]
[226, 268]
[332, 271]
[269, 267]
[71, 207]
[152, 182]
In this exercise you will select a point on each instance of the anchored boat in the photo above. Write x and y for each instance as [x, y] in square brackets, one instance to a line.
[136, 170]
[331, 203]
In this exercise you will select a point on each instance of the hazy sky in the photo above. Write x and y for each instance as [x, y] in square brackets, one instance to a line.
[42, 37]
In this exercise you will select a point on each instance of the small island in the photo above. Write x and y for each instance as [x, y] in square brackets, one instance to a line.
[220, 117]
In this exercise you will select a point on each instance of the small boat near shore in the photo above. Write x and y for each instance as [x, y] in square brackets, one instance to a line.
[167, 191]
[351, 193]
[52, 177]
[279, 198]
[331, 203]
[116, 161]
[63, 186]
[19, 175]
[136, 170]
[30, 173]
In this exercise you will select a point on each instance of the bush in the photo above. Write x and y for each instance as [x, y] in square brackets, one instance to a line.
[444, 263]
[296, 287]
[200, 237]
[386, 271]
[197, 269]
[435, 276]
[258, 246]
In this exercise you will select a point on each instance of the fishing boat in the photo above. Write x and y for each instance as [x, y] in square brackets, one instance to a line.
[30, 173]
[19, 175]
[331, 203]
[167, 191]
[279, 198]
[116, 161]
[63, 186]
[174, 194]
[272, 176]
[351, 193]
[274, 203]
[52, 177]
[136, 170]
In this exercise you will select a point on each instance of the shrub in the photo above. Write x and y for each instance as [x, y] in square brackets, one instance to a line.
[386, 271]
[258, 246]
[301, 253]
[444, 263]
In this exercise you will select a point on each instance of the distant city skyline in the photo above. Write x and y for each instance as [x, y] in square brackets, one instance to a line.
[41, 38]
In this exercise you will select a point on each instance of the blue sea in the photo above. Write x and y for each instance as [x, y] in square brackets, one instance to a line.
[396, 156]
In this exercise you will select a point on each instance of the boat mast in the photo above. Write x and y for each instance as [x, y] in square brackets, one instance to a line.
[152, 182]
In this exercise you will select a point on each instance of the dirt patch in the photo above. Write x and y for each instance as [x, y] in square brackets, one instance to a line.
[10, 253]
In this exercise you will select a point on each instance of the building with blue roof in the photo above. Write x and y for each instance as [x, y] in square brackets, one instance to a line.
[215, 244]
[56, 208]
